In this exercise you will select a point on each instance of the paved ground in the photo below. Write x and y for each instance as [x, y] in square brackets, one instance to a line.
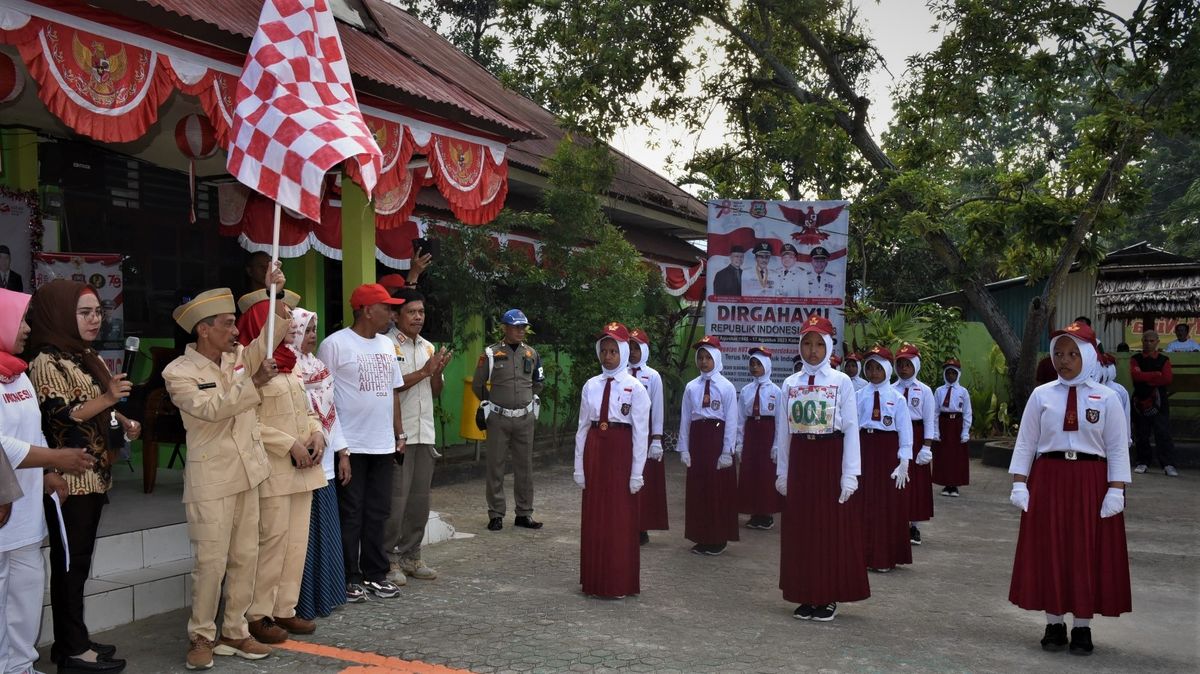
[509, 601]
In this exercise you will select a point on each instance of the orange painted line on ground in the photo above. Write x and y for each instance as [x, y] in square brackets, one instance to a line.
[375, 662]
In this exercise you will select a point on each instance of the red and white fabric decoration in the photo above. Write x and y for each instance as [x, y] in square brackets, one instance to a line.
[196, 139]
[296, 114]
[12, 80]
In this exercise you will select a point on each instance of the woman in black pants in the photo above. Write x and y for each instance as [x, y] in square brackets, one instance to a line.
[76, 393]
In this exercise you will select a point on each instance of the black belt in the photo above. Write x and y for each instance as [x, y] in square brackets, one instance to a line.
[918, 421]
[952, 415]
[759, 418]
[875, 430]
[821, 436]
[605, 425]
[1071, 456]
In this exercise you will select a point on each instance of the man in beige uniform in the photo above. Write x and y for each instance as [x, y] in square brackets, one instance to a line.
[516, 378]
[292, 438]
[211, 384]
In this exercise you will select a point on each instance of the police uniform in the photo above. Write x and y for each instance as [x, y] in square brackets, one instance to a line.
[516, 378]
[885, 439]
[226, 463]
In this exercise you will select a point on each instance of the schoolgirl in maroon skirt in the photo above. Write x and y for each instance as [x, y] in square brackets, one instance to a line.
[885, 440]
[822, 560]
[951, 458]
[652, 499]
[923, 414]
[708, 427]
[1070, 467]
[756, 495]
[610, 451]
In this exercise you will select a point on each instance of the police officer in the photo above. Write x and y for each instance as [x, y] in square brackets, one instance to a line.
[514, 370]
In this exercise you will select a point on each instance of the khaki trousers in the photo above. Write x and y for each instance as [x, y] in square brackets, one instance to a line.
[282, 547]
[508, 436]
[405, 527]
[224, 533]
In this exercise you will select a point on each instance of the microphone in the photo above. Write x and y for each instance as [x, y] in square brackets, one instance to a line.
[132, 344]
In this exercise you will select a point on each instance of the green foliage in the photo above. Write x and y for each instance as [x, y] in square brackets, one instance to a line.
[989, 399]
[931, 328]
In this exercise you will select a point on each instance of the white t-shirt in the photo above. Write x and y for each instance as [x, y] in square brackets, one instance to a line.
[1182, 347]
[365, 374]
[20, 427]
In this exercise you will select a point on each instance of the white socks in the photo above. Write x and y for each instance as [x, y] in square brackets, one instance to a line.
[1081, 622]
[1052, 619]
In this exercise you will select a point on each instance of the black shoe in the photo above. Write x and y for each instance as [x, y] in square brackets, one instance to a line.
[698, 549]
[1056, 637]
[643, 538]
[1081, 640]
[824, 613]
[803, 612]
[73, 665]
[103, 650]
[527, 522]
[946, 491]
[914, 535]
[714, 550]
[768, 522]
[954, 492]
[495, 524]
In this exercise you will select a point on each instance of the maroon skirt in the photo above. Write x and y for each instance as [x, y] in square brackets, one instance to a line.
[885, 507]
[822, 551]
[609, 562]
[1069, 559]
[920, 481]
[652, 498]
[951, 460]
[756, 494]
[710, 507]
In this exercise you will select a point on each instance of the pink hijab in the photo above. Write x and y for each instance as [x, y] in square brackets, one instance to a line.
[12, 313]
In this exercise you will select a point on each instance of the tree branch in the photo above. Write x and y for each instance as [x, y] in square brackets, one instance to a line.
[970, 200]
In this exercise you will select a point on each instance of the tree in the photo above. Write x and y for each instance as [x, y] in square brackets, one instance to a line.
[1017, 142]
[467, 24]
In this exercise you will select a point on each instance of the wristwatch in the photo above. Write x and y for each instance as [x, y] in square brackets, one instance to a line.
[402, 436]
[279, 295]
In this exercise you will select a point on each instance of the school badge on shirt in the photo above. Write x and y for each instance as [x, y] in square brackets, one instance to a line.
[715, 404]
[625, 407]
[887, 420]
[1093, 416]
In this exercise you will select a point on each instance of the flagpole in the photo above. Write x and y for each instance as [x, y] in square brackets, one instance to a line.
[273, 290]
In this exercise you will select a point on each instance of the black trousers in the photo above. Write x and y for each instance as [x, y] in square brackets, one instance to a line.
[363, 506]
[1160, 426]
[81, 515]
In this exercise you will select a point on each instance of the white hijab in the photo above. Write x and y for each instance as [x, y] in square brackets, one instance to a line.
[887, 370]
[623, 348]
[916, 361]
[317, 380]
[717, 366]
[1087, 352]
[766, 365]
[824, 364]
[958, 380]
[645, 348]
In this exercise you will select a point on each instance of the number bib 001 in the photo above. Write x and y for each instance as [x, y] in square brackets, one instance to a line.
[810, 409]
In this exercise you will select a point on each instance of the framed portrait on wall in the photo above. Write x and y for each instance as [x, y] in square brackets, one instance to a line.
[20, 237]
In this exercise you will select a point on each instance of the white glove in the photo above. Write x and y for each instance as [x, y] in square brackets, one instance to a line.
[900, 475]
[774, 455]
[686, 458]
[656, 450]
[1020, 496]
[849, 485]
[635, 485]
[781, 485]
[724, 461]
[924, 456]
[966, 437]
[579, 479]
[1114, 502]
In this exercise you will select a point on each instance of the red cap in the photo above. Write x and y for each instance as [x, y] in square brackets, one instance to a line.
[760, 349]
[615, 330]
[881, 351]
[952, 362]
[908, 351]
[639, 335]
[392, 281]
[708, 340]
[371, 293]
[834, 361]
[853, 356]
[818, 324]
[1078, 330]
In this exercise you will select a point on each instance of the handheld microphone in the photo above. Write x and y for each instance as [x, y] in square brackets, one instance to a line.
[132, 344]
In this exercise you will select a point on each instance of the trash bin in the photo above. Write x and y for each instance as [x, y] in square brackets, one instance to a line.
[466, 425]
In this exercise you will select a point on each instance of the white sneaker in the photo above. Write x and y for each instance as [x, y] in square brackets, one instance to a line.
[396, 575]
[1140, 468]
[1170, 471]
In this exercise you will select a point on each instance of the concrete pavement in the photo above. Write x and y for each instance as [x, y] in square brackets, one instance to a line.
[510, 601]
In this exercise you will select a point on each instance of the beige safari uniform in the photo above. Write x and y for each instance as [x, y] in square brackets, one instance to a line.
[225, 465]
[516, 379]
[285, 499]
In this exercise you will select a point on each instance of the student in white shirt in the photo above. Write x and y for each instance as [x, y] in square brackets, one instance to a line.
[652, 499]
[851, 366]
[923, 413]
[885, 436]
[708, 428]
[610, 454]
[1070, 467]
[1182, 343]
[822, 559]
[951, 458]
[1108, 377]
[756, 443]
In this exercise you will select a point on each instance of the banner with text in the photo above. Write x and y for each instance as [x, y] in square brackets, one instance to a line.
[101, 271]
[770, 265]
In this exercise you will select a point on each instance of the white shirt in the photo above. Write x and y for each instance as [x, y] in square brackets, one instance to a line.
[858, 382]
[823, 284]
[920, 405]
[652, 381]
[365, 374]
[628, 403]
[845, 417]
[722, 407]
[1182, 347]
[20, 427]
[893, 415]
[752, 286]
[960, 403]
[1102, 428]
[790, 282]
[1123, 396]
[416, 401]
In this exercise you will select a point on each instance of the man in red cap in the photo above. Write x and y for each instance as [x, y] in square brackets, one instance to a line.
[366, 377]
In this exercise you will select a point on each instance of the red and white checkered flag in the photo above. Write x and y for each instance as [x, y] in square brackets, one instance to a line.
[296, 113]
